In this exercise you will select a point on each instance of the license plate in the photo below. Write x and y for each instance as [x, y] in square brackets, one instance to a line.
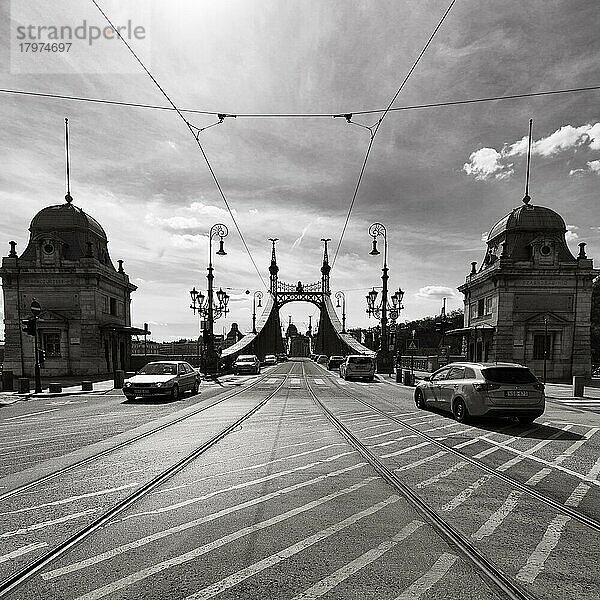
[516, 394]
[143, 392]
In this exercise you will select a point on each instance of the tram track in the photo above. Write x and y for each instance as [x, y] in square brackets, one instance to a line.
[459, 542]
[26, 573]
[101, 454]
[585, 520]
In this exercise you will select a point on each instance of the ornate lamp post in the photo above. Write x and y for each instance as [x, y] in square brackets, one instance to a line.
[385, 363]
[341, 295]
[259, 295]
[207, 307]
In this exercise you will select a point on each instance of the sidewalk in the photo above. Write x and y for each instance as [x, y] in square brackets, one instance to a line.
[70, 388]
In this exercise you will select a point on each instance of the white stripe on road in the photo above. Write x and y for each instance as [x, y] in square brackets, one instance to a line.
[98, 558]
[41, 412]
[201, 550]
[228, 582]
[498, 517]
[71, 499]
[405, 450]
[23, 550]
[459, 465]
[537, 559]
[428, 580]
[328, 583]
[466, 493]
[231, 488]
[319, 382]
[421, 461]
[45, 524]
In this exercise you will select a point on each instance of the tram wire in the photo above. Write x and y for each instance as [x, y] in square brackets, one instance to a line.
[490, 574]
[26, 573]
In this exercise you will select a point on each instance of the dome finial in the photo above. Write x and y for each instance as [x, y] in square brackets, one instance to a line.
[68, 196]
[527, 197]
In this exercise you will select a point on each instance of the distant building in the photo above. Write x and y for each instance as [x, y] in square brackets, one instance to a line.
[530, 299]
[85, 324]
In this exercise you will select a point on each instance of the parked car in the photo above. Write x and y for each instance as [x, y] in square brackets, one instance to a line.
[477, 389]
[334, 362]
[270, 359]
[246, 363]
[321, 359]
[282, 357]
[358, 366]
[168, 377]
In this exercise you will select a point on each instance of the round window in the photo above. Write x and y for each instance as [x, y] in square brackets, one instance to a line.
[48, 248]
[545, 250]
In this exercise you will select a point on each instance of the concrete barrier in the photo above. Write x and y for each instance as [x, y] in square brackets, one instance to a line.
[23, 385]
[55, 388]
[87, 386]
[7, 381]
[119, 378]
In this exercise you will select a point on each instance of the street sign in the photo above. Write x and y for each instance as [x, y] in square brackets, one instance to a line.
[412, 344]
[35, 307]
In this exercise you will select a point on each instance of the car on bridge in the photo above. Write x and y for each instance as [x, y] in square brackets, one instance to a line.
[321, 359]
[358, 366]
[246, 364]
[270, 359]
[163, 378]
[483, 389]
[282, 357]
[334, 362]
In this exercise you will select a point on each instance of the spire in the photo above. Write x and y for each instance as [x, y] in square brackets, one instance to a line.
[273, 269]
[68, 196]
[526, 197]
[325, 269]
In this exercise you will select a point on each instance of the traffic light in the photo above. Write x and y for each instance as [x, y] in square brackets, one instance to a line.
[441, 326]
[28, 326]
[41, 357]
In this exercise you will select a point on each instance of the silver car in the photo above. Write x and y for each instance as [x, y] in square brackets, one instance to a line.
[358, 366]
[478, 389]
[164, 378]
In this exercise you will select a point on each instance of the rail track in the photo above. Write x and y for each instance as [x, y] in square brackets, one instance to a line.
[26, 573]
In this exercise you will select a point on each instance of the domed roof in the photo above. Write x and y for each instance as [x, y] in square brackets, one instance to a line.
[65, 217]
[528, 218]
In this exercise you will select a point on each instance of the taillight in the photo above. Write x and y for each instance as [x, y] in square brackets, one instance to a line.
[486, 387]
[538, 386]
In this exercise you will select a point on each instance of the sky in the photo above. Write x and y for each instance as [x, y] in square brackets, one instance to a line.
[438, 178]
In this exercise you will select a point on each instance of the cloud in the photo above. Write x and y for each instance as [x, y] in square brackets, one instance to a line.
[489, 163]
[571, 235]
[436, 292]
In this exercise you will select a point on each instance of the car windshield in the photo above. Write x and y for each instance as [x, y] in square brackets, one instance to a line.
[241, 359]
[159, 369]
[360, 360]
[509, 375]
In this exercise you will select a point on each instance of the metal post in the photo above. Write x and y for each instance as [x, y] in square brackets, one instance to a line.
[38, 375]
[545, 345]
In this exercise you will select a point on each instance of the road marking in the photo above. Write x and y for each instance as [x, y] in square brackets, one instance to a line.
[320, 382]
[272, 380]
[498, 517]
[201, 550]
[328, 583]
[405, 450]
[23, 550]
[231, 488]
[537, 559]
[459, 465]
[195, 523]
[421, 461]
[228, 582]
[41, 412]
[45, 524]
[71, 499]
[428, 580]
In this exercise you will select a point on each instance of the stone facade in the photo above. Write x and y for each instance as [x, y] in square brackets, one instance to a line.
[85, 324]
[530, 301]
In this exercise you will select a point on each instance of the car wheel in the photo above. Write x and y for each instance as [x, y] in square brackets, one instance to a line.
[175, 392]
[459, 410]
[195, 387]
[420, 400]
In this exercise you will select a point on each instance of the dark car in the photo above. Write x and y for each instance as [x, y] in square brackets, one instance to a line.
[164, 378]
[478, 389]
[282, 357]
[247, 363]
[334, 362]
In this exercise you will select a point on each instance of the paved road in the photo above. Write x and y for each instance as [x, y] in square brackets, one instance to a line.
[302, 486]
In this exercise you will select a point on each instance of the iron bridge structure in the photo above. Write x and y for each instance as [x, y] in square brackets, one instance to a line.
[268, 339]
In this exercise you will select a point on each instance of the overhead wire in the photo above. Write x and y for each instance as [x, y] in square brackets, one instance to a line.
[378, 124]
[440, 104]
[196, 137]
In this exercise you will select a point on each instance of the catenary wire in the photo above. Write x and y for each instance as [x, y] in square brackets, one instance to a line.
[307, 115]
[196, 137]
[378, 124]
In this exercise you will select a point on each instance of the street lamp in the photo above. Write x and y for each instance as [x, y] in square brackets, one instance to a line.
[384, 358]
[341, 295]
[206, 305]
[36, 310]
[258, 294]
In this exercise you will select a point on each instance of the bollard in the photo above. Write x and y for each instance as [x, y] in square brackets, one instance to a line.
[408, 380]
[578, 383]
[7, 381]
[118, 379]
[87, 386]
[23, 385]
[55, 388]
[398, 374]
